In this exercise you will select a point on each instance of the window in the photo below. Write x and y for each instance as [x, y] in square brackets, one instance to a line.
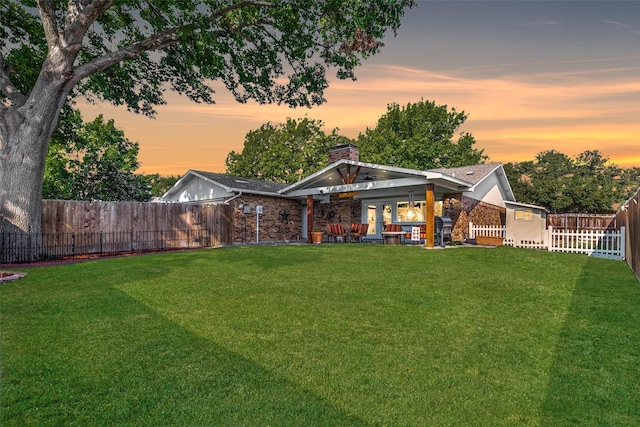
[523, 214]
[417, 213]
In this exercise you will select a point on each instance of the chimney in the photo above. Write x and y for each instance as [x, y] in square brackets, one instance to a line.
[344, 151]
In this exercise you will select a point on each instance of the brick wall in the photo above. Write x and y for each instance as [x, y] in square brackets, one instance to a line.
[342, 211]
[280, 221]
[345, 151]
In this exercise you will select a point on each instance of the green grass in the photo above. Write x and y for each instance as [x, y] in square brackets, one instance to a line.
[323, 335]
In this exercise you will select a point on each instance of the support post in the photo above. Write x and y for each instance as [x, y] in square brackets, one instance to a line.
[429, 238]
[309, 217]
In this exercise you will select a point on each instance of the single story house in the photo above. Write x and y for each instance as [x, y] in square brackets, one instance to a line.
[349, 191]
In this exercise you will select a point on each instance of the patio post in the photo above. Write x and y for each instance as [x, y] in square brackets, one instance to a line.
[309, 217]
[429, 240]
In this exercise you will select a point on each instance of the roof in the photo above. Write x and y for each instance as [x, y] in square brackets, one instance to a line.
[355, 176]
[237, 183]
[526, 205]
[350, 175]
[472, 174]
[475, 174]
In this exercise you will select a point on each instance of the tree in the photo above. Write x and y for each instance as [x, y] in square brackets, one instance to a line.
[160, 184]
[419, 136]
[93, 162]
[586, 184]
[128, 52]
[284, 153]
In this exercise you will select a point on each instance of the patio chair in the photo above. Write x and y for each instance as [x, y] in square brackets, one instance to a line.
[358, 231]
[336, 231]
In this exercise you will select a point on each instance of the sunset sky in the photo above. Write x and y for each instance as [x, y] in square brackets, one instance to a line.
[532, 75]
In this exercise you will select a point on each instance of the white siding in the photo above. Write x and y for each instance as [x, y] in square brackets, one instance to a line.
[196, 189]
[488, 191]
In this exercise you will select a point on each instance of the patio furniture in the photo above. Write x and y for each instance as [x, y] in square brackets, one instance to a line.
[392, 234]
[358, 231]
[337, 232]
[421, 233]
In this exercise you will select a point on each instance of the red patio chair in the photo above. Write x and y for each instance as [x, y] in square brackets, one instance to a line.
[359, 231]
[335, 231]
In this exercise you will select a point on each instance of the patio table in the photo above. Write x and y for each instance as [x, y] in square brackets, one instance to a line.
[392, 237]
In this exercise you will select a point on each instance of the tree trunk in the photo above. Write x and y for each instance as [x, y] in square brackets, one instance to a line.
[24, 141]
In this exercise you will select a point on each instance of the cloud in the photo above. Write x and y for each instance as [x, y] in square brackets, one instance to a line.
[540, 23]
[514, 113]
[615, 23]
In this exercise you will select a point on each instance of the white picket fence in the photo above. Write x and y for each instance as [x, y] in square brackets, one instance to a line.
[598, 243]
[486, 230]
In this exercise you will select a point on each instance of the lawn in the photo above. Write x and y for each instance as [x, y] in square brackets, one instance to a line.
[323, 335]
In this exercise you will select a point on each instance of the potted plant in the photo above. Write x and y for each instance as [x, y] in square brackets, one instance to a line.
[316, 236]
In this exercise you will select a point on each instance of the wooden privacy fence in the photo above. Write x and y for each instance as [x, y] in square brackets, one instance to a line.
[575, 221]
[629, 216]
[599, 243]
[73, 229]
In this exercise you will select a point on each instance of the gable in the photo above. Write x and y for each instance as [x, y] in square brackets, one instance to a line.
[192, 188]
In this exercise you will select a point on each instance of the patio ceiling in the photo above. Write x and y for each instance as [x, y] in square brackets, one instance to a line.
[351, 176]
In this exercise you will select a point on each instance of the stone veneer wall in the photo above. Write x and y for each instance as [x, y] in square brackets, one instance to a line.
[280, 221]
[466, 209]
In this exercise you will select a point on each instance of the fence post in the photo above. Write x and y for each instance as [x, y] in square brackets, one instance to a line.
[100, 242]
[30, 245]
[472, 234]
[550, 238]
[623, 243]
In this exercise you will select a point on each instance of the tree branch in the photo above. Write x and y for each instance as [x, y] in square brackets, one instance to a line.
[48, 15]
[7, 87]
[80, 18]
[157, 41]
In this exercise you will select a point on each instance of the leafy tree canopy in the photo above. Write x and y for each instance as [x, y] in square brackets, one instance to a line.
[129, 52]
[284, 153]
[419, 136]
[92, 161]
[160, 184]
[268, 50]
[588, 183]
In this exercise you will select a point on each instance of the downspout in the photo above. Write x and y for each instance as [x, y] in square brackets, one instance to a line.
[226, 202]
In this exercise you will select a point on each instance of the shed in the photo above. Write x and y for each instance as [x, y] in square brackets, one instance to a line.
[526, 224]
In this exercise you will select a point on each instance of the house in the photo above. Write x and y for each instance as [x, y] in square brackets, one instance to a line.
[349, 191]
[280, 219]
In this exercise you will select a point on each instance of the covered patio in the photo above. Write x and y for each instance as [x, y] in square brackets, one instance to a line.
[384, 194]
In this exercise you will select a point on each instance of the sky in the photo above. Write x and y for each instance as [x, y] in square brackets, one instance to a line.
[531, 75]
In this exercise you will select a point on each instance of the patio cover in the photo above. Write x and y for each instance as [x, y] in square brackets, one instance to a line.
[369, 180]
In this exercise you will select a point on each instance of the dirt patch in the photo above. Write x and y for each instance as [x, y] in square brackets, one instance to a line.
[8, 276]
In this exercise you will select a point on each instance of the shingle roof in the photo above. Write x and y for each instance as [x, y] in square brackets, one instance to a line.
[472, 174]
[242, 183]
